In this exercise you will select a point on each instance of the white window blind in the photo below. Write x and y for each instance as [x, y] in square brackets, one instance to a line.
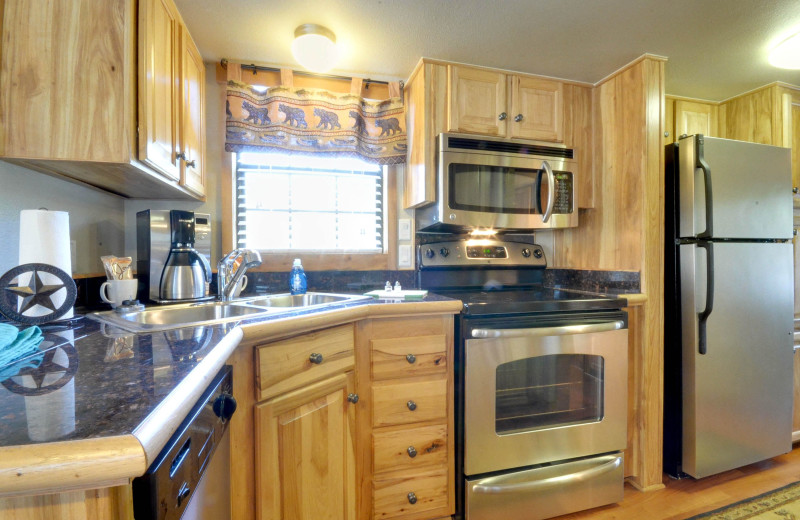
[301, 203]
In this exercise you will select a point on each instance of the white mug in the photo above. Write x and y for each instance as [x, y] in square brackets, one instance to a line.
[240, 286]
[117, 291]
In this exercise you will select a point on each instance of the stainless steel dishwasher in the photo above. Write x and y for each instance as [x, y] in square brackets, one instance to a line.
[190, 477]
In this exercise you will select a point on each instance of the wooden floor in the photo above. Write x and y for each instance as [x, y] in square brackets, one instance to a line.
[688, 497]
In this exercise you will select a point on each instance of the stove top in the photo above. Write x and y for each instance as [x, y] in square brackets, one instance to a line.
[529, 300]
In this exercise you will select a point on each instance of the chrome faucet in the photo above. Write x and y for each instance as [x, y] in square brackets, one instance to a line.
[231, 268]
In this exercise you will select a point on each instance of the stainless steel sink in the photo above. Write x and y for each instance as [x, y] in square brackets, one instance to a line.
[311, 299]
[195, 314]
[181, 315]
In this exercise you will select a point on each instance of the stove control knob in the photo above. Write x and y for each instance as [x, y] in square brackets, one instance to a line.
[224, 406]
[538, 253]
[444, 252]
[429, 253]
[526, 252]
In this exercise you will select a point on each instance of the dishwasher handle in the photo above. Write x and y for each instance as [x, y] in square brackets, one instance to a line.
[537, 332]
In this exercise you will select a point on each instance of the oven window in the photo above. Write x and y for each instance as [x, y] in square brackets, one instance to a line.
[548, 391]
[495, 189]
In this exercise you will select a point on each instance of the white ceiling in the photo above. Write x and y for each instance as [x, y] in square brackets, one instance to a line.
[716, 48]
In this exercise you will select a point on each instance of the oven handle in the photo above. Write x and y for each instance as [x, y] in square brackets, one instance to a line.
[495, 485]
[548, 331]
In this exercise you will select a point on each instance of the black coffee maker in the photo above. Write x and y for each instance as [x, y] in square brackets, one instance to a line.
[172, 255]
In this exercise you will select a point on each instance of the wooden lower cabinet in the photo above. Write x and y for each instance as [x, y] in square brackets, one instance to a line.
[305, 465]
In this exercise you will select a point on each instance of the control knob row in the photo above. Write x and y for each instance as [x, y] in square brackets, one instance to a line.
[430, 253]
[537, 253]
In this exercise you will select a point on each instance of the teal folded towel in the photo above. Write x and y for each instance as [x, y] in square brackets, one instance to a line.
[16, 346]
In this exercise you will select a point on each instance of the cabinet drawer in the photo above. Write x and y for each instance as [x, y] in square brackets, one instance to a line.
[291, 363]
[391, 498]
[393, 450]
[406, 357]
[405, 403]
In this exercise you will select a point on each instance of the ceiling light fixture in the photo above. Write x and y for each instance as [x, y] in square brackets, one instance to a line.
[787, 54]
[314, 47]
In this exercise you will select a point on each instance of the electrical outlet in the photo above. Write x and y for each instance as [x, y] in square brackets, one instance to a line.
[404, 229]
[404, 255]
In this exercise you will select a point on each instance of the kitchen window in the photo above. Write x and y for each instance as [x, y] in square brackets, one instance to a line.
[289, 204]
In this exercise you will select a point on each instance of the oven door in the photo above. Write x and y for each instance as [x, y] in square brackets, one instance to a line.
[544, 394]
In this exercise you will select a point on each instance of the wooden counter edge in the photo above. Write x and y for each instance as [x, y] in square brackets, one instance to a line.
[634, 299]
[68, 465]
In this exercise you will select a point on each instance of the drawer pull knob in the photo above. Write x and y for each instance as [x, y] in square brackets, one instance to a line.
[411, 358]
[191, 164]
[412, 498]
[412, 451]
[502, 116]
[411, 405]
[353, 398]
[518, 118]
[315, 358]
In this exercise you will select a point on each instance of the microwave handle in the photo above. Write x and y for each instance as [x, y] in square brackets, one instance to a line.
[551, 192]
[548, 331]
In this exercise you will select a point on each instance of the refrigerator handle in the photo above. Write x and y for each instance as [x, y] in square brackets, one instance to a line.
[703, 316]
[702, 164]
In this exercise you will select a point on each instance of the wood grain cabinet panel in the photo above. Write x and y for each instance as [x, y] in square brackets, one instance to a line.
[193, 117]
[291, 363]
[537, 109]
[414, 495]
[477, 101]
[412, 402]
[305, 462]
[695, 118]
[408, 448]
[408, 357]
[78, 103]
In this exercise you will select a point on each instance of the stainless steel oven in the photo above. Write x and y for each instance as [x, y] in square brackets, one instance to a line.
[501, 184]
[541, 383]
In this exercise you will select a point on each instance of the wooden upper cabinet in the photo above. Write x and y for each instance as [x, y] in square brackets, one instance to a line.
[69, 102]
[537, 109]
[193, 117]
[159, 88]
[477, 101]
[695, 118]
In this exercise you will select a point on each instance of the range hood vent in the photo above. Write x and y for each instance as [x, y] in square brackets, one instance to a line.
[483, 145]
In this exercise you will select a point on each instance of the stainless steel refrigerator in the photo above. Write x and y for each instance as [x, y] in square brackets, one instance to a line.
[729, 305]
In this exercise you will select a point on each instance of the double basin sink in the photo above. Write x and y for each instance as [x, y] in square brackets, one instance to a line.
[208, 313]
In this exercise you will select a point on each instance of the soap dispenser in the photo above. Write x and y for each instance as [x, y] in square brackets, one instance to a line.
[297, 278]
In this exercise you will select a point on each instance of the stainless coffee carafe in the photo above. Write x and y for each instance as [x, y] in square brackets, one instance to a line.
[173, 249]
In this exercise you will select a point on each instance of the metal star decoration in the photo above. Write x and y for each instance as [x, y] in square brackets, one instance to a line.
[16, 299]
[36, 293]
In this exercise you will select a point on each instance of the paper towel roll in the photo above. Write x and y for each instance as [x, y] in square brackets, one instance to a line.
[44, 238]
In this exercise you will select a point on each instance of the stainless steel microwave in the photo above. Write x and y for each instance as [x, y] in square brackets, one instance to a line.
[500, 184]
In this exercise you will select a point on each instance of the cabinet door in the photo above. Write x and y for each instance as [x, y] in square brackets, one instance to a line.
[477, 101]
[159, 55]
[192, 117]
[537, 109]
[305, 463]
[695, 118]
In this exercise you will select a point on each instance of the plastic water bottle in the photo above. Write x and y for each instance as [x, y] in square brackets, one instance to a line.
[297, 278]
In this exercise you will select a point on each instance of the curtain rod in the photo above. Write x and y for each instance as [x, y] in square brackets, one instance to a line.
[255, 68]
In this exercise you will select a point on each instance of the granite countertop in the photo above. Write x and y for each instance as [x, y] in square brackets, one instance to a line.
[100, 383]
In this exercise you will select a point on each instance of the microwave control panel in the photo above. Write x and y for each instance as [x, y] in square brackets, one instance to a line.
[563, 203]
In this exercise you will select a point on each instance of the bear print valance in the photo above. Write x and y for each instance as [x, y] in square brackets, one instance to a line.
[303, 120]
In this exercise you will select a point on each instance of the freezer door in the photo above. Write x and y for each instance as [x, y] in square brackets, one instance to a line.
[734, 189]
[737, 397]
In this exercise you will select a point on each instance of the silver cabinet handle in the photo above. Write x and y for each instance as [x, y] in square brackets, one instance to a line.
[412, 498]
[353, 398]
[551, 192]
[180, 156]
[411, 358]
[518, 118]
[411, 405]
[315, 358]
[412, 451]
[190, 164]
[502, 116]
[496, 485]
[548, 331]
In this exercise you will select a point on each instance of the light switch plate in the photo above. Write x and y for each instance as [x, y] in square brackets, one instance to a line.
[404, 255]
[404, 229]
